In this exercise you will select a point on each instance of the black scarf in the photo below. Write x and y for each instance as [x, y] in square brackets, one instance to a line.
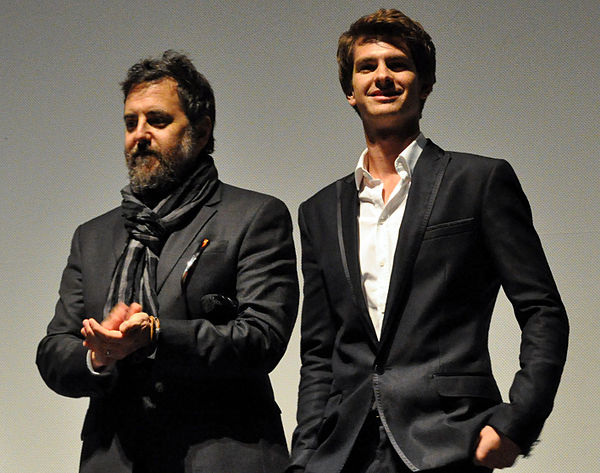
[134, 278]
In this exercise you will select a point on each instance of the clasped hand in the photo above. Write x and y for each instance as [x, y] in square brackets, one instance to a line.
[125, 330]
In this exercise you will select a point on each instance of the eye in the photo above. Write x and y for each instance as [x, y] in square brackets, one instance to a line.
[130, 123]
[398, 66]
[365, 67]
[159, 120]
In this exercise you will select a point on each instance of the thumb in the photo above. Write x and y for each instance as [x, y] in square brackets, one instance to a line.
[134, 308]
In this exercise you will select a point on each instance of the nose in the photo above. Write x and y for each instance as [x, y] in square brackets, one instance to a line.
[138, 139]
[141, 132]
[383, 76]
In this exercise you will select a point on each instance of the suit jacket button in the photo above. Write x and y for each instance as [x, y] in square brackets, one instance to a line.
[159, 387]
[148, 404]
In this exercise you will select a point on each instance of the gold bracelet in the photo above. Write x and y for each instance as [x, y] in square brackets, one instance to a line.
[151, 318]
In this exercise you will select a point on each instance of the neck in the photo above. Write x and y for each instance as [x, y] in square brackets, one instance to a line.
[384, 147]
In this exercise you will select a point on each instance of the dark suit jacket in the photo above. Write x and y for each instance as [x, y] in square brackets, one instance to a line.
[467, 230]
[205, 402]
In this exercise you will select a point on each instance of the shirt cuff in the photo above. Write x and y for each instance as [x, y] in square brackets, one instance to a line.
[88, 362]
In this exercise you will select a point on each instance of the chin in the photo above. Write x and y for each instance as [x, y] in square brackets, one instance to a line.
[151, 181]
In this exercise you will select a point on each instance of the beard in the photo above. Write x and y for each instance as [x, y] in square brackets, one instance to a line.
[153, 173]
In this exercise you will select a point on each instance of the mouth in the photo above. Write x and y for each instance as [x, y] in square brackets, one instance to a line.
[144, 154]
[386, 95]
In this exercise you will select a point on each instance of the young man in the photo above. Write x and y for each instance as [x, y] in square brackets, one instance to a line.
[175, 306]
[402, 263]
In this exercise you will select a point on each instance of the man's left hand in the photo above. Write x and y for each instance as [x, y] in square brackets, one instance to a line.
[495, 450]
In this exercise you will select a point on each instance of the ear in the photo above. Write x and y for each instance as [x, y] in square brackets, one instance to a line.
[351, 99]
[425, 91]
[203, 129]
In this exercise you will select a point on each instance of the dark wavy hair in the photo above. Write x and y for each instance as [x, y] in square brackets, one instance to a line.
[391, 26]
[195, 93]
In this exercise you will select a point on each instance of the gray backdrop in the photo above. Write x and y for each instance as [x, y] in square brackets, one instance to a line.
[516, 79]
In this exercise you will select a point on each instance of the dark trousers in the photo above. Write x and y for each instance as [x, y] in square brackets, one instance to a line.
[373, 453]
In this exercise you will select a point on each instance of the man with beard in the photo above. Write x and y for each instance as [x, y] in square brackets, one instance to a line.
[175, 306]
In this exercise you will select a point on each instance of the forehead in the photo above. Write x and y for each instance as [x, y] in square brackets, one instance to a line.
[160, 94]
[393, 46]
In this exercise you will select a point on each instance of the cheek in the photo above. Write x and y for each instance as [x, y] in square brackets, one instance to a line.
[166, 143]
[174, 139]
[410, 81]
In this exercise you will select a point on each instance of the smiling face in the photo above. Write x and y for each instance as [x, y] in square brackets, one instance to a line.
[160, 146]
[386, 90]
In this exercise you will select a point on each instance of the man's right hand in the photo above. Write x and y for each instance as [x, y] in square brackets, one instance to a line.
[105, 341]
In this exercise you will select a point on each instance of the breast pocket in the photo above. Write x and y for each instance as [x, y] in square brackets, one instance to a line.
[205, 263]
[209, 289]
[447, 229]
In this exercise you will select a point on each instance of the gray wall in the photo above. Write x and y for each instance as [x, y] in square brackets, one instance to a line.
[516, 79]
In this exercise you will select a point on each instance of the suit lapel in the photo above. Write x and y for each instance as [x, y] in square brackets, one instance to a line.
[180, 240]
[347, 226]
[425, 183]
[121, 238]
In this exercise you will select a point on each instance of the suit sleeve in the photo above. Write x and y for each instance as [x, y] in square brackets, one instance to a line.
[61, 356]
[528, 283]
[267, 293]
[317, 341]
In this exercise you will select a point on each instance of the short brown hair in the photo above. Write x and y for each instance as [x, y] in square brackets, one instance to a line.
[390, 26]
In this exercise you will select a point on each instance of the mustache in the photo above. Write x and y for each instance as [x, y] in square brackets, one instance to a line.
[140, 150]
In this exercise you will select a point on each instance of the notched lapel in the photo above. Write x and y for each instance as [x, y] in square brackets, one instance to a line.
[347, 225]
[424, 187]
[180, 240]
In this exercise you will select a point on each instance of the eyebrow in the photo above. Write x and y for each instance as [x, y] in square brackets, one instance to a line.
[395, 58]
[159, 112]
[364, 60]
[151, 113]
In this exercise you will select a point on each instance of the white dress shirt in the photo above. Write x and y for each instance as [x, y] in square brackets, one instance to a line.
[378, 227]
